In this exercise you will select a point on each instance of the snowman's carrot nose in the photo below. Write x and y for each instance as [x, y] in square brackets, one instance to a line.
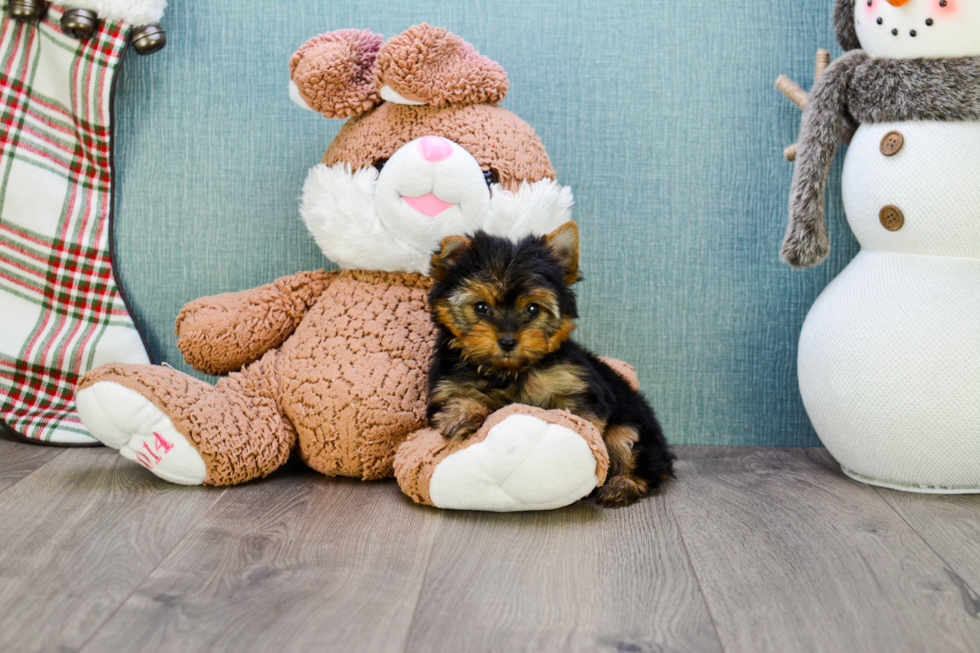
[897, 3]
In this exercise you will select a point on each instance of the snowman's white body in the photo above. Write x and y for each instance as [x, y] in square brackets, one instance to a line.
[889, 357]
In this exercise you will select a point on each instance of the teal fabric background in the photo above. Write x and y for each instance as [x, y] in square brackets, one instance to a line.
[661, 116]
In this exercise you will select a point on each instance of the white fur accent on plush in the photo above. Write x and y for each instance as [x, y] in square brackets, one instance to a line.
[535, 209]
[135, 12]
[524, 463]
[297, 98]
[339, 210]
[389, 94]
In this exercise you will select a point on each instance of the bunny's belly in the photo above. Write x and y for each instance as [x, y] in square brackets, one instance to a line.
[354, 374]
[889, 369]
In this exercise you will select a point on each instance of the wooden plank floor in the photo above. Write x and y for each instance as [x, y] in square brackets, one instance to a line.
[748, 550]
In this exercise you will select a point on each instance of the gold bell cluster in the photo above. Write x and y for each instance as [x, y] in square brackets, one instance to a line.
[81, 24]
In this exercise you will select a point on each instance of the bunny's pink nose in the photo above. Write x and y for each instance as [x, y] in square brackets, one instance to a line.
[435, 149]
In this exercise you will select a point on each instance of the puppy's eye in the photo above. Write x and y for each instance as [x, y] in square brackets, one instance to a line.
[533, 310]
[491, 177]
[481, 308]
[380, 163]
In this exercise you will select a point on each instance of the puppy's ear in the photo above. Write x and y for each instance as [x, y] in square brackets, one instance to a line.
[451, 250]
[563, 243]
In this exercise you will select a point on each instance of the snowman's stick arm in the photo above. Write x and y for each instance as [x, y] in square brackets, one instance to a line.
[821, 64]
[792, 90]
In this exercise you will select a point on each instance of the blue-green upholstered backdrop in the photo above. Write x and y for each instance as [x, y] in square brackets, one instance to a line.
[661, 115]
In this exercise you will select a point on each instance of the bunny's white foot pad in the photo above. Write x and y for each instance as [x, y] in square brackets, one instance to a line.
[124, 419]
[522, 459]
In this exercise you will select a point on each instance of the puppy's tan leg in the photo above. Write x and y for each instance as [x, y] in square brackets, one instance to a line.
[460, 417]
[622, 487]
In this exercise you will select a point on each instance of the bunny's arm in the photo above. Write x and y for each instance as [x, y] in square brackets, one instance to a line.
[806, 243]
[223, 333]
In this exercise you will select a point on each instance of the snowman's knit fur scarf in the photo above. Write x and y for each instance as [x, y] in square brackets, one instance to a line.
[844, 24]
[867, 90]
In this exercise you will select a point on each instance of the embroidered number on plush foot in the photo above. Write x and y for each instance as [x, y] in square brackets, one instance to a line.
[123, 419]
[149, 457]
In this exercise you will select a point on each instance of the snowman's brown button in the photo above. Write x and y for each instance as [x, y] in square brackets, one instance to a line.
[892, 143]
[891, 218]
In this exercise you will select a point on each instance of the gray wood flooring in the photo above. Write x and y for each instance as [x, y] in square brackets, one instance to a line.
[748, 550]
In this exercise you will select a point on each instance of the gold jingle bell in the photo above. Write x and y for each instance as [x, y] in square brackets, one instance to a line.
[79, 23]
[148, 39]
[27, 11]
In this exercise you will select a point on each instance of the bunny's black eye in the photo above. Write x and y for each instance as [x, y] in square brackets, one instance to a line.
[491, 177]
[380, 163]
[481, 308]
[533, 310]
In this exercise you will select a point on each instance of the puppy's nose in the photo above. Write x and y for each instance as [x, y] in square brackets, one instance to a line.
[507, 343]
[435, 149]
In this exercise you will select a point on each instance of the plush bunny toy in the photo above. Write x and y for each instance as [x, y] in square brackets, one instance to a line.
[333, 365]
[889, 357]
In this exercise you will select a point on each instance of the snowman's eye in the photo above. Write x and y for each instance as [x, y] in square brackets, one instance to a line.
[380, 163]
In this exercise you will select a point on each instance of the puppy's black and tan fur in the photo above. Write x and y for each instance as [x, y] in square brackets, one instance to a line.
[504, 313]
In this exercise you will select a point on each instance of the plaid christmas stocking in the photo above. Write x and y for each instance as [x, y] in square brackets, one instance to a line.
[61, 309]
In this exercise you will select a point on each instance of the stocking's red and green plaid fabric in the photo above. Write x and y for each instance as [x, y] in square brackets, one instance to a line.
[61, 311]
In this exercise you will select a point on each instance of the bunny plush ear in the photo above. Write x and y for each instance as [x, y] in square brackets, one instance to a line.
[429, 65]
[334, 73]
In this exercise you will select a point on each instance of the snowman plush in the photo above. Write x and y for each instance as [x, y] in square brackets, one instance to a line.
[889, 356]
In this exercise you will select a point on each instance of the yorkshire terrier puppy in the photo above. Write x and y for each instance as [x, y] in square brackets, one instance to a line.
[504, 313]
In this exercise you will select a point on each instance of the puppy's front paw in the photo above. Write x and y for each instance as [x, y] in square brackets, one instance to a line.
[457, 428]
[621, 491]
[459, 431]
[460, 419]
